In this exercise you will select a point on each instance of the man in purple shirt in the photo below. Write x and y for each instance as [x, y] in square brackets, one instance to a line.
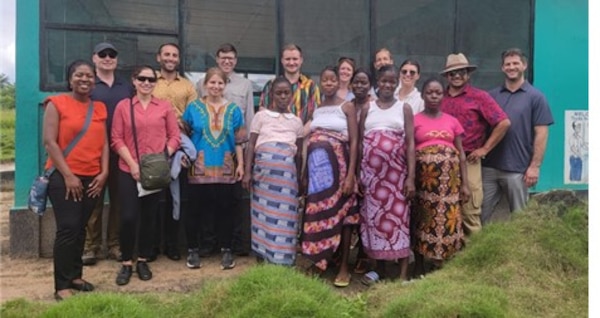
[485, 125]
[514, 165]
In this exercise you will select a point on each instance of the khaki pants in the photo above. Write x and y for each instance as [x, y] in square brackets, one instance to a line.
[93, 236]
[471, 210]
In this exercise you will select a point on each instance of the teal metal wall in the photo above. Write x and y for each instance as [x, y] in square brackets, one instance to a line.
[29, 120]
[560, 71]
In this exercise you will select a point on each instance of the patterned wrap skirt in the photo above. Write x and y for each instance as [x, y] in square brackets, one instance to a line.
[385, 211]
[274, 203]
[327, 209]
[437, 215]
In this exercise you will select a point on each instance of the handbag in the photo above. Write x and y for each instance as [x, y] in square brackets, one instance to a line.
[38, 193]
[155, 171]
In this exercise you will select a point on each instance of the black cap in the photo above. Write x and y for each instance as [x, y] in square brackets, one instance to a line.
[103, 46]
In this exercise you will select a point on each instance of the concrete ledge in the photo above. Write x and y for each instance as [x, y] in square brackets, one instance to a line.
[24, 228]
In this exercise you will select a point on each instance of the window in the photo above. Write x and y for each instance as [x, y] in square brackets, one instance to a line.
[326, 30]
[425, 30]
[71, 29]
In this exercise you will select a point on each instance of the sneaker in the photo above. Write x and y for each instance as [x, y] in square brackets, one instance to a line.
[89, 258]
[124, 275]
[143, 270]
[227, 261]
[193, 259]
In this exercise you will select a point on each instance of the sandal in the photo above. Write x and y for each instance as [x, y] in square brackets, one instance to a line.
[370, 278]
[342, 281]
[362, 266]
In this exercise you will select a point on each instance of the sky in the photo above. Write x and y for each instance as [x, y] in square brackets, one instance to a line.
[7, 38]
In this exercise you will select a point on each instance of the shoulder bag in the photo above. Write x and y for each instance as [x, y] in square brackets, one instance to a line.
[155, 172]
[38, 194]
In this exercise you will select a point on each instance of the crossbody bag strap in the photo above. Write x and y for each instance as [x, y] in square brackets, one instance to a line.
[137, 152]
[71, 145]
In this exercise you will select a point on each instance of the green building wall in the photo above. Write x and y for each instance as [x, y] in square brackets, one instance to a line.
[560, 70]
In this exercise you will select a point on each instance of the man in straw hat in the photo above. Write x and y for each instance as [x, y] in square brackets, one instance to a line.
[514, 165]
[479, 114]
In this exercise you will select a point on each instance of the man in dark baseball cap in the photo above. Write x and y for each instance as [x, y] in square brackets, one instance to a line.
[104, 46]
[109, 89]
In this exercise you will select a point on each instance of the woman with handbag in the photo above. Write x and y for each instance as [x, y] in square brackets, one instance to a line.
[217, 133]
[143, 127]
[75, 138]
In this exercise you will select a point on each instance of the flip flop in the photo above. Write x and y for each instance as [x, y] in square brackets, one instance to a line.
[370, 278]
[342, 282]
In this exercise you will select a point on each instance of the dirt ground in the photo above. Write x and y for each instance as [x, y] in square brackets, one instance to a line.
[32, 279]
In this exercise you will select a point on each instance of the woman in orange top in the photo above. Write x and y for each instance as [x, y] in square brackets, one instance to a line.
[75, 186]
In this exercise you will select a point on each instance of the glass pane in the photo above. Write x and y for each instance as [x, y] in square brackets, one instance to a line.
[486, 28]
[327, 30]
[63, 47]
[152, 14]
[420, 30]
[250, 25]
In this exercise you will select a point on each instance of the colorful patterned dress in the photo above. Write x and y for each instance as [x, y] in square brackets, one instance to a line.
[385, 211]
[437, 217]
[274, 205]
[327, 209]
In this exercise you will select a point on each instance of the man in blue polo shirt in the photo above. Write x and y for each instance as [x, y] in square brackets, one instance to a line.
[109, 89]
[513, 166]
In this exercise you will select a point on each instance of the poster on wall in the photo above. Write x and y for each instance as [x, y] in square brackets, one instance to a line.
[576, 147]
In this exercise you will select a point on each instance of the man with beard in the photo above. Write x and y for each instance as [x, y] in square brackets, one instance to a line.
[180, 92]
[479, 115]
[306, 95]
[109, 89]
[513, 165]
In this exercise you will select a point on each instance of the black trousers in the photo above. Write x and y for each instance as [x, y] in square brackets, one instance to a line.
[210, 213]
[241, 242]
[133, 210]
[71, 218]
[167, 228]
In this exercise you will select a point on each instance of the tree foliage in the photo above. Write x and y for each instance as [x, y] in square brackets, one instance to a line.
[7, 93]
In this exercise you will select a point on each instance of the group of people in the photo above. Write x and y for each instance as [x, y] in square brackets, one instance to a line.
[317, 163]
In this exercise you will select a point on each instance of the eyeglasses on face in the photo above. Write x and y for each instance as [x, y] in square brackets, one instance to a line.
[110, 53]
[411, 72]
[461, 72]
[146, 78]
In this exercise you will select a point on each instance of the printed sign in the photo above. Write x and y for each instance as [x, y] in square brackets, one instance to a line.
[576, 147]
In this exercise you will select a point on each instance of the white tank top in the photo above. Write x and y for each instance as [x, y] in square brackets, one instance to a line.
[331, 118]
[391, 118]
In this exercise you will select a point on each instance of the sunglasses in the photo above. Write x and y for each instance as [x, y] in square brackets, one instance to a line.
[411, 72]
[146, 78]
[461, 72]
[110, 53]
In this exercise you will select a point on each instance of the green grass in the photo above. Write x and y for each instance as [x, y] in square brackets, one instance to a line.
[536, 265]
[7, 134]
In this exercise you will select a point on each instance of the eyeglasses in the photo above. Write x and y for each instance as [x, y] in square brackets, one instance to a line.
[411, 72]
[461, 72]
[146, 78]
[109, 53]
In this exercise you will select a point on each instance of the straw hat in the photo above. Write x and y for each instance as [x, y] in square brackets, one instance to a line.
[457, 62]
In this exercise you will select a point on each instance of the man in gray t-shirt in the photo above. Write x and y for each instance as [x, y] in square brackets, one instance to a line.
[513, 166]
